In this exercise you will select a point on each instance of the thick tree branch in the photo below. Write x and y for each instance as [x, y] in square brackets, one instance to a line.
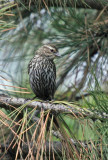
[54, 107]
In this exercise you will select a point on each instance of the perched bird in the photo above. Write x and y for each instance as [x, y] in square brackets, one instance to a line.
[42, 72]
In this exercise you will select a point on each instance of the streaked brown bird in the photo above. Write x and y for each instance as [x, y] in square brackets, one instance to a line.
[42, 72]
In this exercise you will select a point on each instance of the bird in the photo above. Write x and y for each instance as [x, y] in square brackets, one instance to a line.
[42, 72]
[42, 75]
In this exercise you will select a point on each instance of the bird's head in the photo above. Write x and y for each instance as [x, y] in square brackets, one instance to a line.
[49, 51]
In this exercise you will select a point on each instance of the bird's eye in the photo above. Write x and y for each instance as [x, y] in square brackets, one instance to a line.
[52, 50]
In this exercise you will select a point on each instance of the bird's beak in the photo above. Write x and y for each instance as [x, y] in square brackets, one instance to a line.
[57, 54]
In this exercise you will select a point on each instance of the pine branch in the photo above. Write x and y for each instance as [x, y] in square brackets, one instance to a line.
[54, 107]
[73, 62]
[78, 4]
[55, 147]
[99, 5]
